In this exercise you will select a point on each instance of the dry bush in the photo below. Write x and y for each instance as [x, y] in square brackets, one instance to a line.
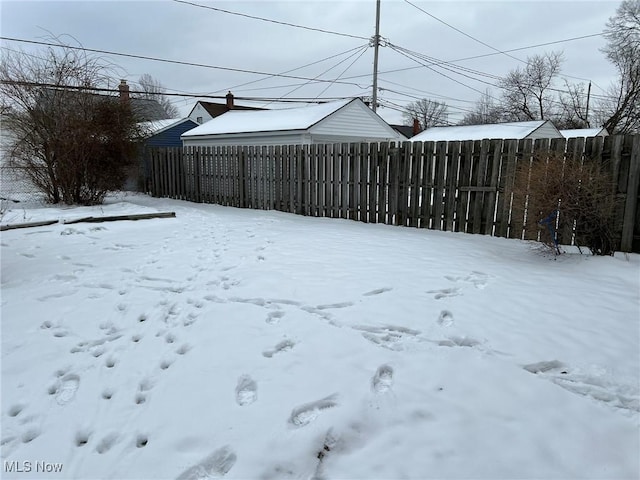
[72, 144]
[580, 192]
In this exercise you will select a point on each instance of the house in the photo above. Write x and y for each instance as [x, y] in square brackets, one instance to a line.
[585, 132]
[408, 130]
[158, 133]
[166, 133]
[202, 112]
[341, 121]
[518, 130]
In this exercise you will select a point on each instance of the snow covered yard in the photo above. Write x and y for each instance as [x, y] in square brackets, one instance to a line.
[263, 345]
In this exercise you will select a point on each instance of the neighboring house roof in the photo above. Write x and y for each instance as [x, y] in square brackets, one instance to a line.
[282, 120]
[584, 132]
[405, 130]
[236, 121]
[217, 109]
[158, 126]
[510, 130]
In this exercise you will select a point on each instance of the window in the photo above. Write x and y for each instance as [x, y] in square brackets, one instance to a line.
[199, 119]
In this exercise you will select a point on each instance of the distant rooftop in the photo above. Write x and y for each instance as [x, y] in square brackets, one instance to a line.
[516, 130]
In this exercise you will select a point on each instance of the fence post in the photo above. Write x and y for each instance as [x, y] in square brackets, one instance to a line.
[631, 202]
[242, 158]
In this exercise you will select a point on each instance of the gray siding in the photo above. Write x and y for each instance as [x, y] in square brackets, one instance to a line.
[270, 138]
[355, 121]
[546, 130]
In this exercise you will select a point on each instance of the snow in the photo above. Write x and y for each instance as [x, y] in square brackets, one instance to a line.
[479, 132]
[584, 132]
[258, 344]
[244, 121]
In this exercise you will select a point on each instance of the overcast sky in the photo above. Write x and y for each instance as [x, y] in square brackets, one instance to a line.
[184, 32]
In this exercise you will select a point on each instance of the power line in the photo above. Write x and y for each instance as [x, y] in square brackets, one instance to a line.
[439, 63]
[175, 62]
[321, 30]
[426, 92]
[344, 71]
[497, 50]
[298, 87]
[488, 54]
[438, 72]
[187, 95]
[293, 69]
[463, 33]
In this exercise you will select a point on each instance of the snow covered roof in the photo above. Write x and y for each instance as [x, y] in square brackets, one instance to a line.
[479, 132]
[157, 126]
[245, 121]
[584, 132]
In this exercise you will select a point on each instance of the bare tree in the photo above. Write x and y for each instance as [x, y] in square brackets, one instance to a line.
[527, 93]
[574, 107]
[71, 143]
[429, 113]
[154, 90]
[485, 111]
[622, 107]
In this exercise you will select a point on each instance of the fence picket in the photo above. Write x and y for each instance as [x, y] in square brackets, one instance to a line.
[451, 177]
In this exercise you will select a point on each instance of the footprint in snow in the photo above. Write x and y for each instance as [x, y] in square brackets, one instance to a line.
[307, 413]
[246, 391]
[274, 317]
[216, 464]
[383, 379]
[597, 387]
[445, 293]
[65, 388]
[107, 443]
[377, 291]
[445, 319]
[283, 346]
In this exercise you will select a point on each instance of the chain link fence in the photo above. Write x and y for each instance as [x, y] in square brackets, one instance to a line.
[16, 191]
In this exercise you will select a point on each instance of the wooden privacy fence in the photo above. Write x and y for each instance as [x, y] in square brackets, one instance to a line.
[455, 186]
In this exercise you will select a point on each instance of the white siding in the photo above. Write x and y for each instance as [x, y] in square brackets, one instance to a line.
[355, 121]
[199, 111]
[546, 130]
[268, 138]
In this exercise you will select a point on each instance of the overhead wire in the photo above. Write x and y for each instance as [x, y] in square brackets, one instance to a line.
[293, 69]
[497, 50]
[474, 57]
[343, 72]
[294, 25]
[188, 95]
[175, 62]
[363, 49]
[463, 33]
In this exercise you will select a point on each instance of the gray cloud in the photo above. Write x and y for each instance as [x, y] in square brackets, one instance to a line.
[171, 30]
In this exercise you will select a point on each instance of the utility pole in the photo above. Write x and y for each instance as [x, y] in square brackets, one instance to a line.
[376, 44]
[586, 115]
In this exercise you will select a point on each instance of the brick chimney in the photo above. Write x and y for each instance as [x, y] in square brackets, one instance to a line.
[416, 126]
[123, 88]
[229, 101]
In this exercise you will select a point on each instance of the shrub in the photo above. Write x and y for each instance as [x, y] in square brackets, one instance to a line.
[72, 144]
[580, 192]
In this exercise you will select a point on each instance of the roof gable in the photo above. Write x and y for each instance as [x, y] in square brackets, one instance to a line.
[355, 119]
[216, 109]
